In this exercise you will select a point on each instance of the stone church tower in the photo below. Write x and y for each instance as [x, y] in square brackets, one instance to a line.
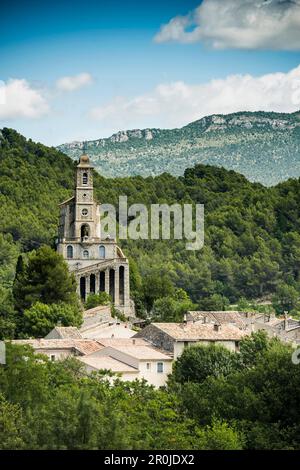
[98, 265]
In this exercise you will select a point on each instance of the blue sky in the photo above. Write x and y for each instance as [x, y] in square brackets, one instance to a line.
[85, 69]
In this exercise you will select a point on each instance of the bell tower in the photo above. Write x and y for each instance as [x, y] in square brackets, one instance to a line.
[99, 265]
[86, 223]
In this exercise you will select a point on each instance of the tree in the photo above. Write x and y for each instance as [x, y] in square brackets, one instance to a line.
[199, 362]
[287, 298]
[44, 277]
[219, 436]
[172, 309]
[253, 347]
[7, 314]
[93, 300]
[155, 285]
[261, 400]
[215, 302]
[42, 318]
[11, 425]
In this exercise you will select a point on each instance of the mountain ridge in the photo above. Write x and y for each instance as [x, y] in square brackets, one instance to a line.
[264, 146]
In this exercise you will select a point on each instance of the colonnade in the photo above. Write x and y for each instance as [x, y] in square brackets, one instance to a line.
[113, 280]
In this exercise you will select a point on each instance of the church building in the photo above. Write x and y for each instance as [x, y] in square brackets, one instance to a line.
[98, 264]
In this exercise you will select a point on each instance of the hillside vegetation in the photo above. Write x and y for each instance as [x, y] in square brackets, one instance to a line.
[221, 401]
[265, 147]
[252, 241]
[53, 405]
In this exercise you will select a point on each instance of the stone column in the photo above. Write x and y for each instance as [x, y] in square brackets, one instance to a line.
[78, 285]
[87, 286]
[117, 291]
[107, 280]
[97, 282]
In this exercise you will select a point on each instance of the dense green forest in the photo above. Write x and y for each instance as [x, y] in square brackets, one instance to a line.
[252, 241]
[215, 400]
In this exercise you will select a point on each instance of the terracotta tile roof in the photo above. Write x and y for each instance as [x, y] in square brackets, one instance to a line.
[43, 343]
[84, 346]
[142, 352]
[107, 362]
[87, 346]
[104, 309]
[201, 331]
[115, 342]
[106, 331]
[65, 332]
[221, 317]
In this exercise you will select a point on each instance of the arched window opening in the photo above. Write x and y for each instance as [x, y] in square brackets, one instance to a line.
[102, 251]
[69, 251]
[122, 285]
[112, 284]
[85, 178]
[85, 231]
[86, 254]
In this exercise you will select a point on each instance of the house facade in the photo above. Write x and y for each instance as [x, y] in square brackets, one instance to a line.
[175, 337]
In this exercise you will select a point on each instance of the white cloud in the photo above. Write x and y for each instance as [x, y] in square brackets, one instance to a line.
[74, 82]
[19, 100]
[240, 24]
[178, 103]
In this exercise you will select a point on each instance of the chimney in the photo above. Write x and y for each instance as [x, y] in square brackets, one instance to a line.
[133, 341]
[205, 319]
[185, 319]
[112, 335]
[217, 327]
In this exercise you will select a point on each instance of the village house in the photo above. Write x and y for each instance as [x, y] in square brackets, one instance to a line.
[129, 358]
[285, 328]
[133, 359]
[64, 332]
[59, 349]
[174, 337]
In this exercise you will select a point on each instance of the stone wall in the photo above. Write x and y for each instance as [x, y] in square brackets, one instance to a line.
[157, 337]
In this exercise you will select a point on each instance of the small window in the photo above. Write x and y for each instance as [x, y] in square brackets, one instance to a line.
[85, 178]
[84, 212]
[86, 254]
[102, 251]
[52, 357]
[160, 367]
[69, 251]
[148, 366]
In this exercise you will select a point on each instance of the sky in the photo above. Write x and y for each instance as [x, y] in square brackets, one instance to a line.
[82, 70]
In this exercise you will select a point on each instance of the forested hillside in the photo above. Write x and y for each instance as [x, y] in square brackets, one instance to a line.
[263, 146]
[252, 241]
[221, 401]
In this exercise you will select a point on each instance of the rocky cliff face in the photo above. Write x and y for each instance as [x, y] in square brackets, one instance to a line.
[265, 147]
